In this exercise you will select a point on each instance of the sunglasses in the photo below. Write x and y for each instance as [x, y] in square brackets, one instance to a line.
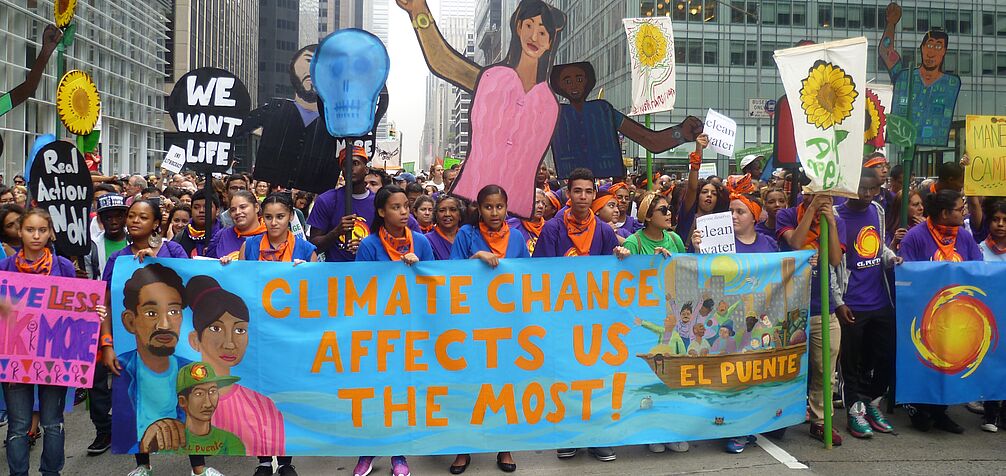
[664, 209]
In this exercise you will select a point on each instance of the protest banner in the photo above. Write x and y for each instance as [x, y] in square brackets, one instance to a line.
[985, 144]
[61, 184]
[948, 335]
[448, 357]
[717, 232]
[207, 106]
[879, 99]
[50, 335]
[651, 55]
[827, 84]
[722, 132]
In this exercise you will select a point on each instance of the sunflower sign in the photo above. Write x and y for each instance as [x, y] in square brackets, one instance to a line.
[78, 102]
[651, 50]
[827, 84]
[878, 106]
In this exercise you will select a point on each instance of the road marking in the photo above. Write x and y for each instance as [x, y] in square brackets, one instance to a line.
[779, 454]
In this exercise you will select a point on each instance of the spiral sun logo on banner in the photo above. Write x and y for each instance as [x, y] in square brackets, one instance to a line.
[651, 50]
[829, 119]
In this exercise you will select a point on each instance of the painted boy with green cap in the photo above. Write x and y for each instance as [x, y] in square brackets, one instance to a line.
[198, 386]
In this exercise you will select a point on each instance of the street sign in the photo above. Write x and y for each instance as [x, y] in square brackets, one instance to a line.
[757, 108]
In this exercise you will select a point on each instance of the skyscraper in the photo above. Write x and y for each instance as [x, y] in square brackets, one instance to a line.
[218, 33]
[278, 41]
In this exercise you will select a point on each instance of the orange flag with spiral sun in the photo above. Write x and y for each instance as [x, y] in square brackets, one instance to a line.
[826, 84]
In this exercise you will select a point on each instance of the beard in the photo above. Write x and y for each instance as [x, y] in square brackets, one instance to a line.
[309, 95]
[161, 351]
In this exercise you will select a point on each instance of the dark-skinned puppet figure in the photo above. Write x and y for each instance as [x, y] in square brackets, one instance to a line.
[50, 39]
[587, 132]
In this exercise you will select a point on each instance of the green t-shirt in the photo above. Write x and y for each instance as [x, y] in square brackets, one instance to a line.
[639, 244]
[112, 246]
[217, 442]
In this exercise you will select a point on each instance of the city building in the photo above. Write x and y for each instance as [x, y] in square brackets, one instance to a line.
[122, 45]
[278, 41]
[309, 23]
[220, 34]
[462, 105]
[721, 66]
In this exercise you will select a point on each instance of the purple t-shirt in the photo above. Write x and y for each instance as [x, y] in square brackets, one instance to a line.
[630, 226]
[919, 245]
[169, 249]
[441, 247]
[554, 240]
[61, 267]
[762, 244]
[867, 289]
[225, 242]
[762, 227]
[785, 220]
[328, 211]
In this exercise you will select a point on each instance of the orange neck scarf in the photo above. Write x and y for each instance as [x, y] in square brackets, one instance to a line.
[282, 253]
[497, 240]
[442, 235]
[534, 226]
[993, 246]
[426, 228]
[932, 187]
[581, 233]
[43, 265]
[815, 228]
[259, 230]
[396, 247]
[946, 241]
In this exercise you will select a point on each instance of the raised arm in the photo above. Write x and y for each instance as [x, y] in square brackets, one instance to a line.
[694, 163]
[20, 93]
[888, 52]
[664, 140]
[443, 60]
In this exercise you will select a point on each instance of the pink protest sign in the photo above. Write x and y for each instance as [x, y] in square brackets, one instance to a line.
[50, 335]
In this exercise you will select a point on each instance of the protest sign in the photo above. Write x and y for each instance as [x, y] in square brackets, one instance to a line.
[722, 132]
[707, 169]
[985, 144]
[61, 184]
[717, 233]
[651, 54]
[449, 357]
[827, 86]
[947, 332]
[879, 99]
[207, 106]
[174, 160]
[50, 335]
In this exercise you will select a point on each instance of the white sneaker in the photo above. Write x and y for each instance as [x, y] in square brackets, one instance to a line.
[208, 471]
[989, 427]
[679, 447]
[656, 447]
[141, 471]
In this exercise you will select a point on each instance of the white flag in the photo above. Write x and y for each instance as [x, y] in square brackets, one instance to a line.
[651, 51]
[826, 87]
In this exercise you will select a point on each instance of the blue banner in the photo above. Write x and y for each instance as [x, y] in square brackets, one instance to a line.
[454, 356]
[947, 333]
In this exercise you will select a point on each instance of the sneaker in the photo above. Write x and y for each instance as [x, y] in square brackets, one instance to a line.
[399, 466]
[79, 396]
[877, 419]
[208, 471]
[656, 447]
[287, 470]
[943, 422]
[364, 466]
[679, 447]
[975, 407]
[141, 471]
[858, 426]
[737, 445]
[602, 453]
[990, 427]
[817, 432]
[566, 452]
[263, 470]
[100, 445]
[921, 420]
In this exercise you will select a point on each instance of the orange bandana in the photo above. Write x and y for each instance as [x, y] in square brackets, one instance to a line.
[580, 233]
[43, 265]
[616, 187]
[534, 226]
[284, 253]
[875, 162]
[751, 204]
[497, 240]
[740, 184]
[815, 228]
[946, 240]
[601, 201]
[554, 199]
[993, 246]
[396, 247]
[260, 229]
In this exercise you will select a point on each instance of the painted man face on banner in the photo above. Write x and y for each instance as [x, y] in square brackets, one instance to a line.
[155, 317]
[300, 74]
[574, 81]
[934, 50]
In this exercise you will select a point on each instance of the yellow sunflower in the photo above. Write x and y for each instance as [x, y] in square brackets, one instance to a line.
[651, 45]
[827, 95]
[63, 11]
[77, 102]
[872, 121]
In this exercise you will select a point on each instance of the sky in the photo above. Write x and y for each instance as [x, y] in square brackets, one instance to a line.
[407, 80]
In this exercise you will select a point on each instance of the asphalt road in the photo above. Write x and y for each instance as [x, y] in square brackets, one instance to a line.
[907, 452]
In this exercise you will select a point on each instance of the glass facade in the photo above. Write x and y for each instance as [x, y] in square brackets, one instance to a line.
[720, 65]
[123, 45]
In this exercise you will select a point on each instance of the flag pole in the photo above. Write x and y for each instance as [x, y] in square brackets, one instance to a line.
[824, 271]
[649, 161]
[908, 159]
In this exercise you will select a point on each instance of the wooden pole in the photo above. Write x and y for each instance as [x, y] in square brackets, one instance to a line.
[824, 272]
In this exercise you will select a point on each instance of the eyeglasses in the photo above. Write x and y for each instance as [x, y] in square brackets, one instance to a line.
[6, 201]
[959, 210]
[237, 188]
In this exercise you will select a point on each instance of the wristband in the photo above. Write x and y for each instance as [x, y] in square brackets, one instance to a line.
[695, 159]
[105, 341]
[422, 21]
